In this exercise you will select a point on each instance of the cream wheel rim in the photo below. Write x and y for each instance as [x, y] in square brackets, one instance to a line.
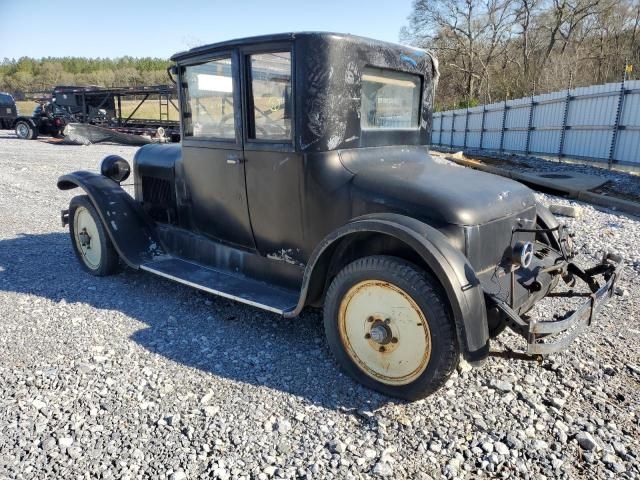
[87, 238]
[384, 332]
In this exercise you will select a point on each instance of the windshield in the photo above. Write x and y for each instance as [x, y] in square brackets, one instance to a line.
[6, 99]
[209, 110]
[390, 99]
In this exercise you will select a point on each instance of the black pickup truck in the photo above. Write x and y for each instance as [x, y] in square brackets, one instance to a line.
[8, 111]
[48, 118]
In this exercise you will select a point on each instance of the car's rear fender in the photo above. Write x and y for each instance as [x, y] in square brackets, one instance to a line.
[447, 263]
[128, 226]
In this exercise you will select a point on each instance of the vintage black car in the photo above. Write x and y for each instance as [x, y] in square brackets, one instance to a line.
[8, 111]
[304, 179]
[48, 118]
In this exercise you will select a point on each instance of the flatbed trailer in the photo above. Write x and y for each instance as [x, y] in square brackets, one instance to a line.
[104, 107]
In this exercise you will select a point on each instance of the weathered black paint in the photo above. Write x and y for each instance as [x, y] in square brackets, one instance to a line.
[293, 213]
[327, 80]
[133, 234]
[8, 111]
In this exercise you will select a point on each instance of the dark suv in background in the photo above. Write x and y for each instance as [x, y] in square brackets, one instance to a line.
[8, 111]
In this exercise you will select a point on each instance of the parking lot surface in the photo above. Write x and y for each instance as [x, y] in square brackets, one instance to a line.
[132, 376]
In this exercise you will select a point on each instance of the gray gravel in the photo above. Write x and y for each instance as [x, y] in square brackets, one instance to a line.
[132, 376]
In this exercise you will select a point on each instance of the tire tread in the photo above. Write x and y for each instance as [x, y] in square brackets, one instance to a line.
[425, 289]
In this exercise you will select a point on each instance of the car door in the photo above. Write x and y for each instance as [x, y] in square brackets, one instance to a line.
[213, 162]
[274, 169]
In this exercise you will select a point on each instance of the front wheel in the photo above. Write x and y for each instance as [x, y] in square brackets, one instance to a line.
[389, 326]
[89, 238]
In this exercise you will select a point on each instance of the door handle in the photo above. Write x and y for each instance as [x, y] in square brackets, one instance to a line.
[234, 159]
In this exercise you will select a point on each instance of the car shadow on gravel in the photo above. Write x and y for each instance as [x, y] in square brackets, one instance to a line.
[218, 336]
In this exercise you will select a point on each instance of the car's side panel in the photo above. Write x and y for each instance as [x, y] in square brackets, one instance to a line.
[218, 198]
[130, 230]
[330, 66]
[275, 202]
[448, 264]
[8, 114]
[203, 251]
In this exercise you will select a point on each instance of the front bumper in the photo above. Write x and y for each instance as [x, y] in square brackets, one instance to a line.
[549, 336]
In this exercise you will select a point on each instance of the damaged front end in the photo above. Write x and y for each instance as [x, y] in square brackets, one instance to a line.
[551, 263]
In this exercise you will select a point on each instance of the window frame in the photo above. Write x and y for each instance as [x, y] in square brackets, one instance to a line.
[247, 97]
[212, 141]
[369, 129]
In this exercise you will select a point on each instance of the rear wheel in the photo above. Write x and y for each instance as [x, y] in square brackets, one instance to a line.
[89, 238]
[24, 130]
[388, 325]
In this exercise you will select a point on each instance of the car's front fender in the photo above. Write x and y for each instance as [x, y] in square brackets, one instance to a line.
[447, 263]
[131, 231]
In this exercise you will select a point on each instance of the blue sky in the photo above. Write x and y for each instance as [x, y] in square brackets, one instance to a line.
[159, 28]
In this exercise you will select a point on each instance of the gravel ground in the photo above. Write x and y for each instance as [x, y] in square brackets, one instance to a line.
[132, 376]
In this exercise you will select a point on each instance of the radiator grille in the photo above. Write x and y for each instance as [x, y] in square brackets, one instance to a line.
[156, 191]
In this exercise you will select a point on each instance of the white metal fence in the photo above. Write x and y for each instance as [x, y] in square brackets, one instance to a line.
[600, 122]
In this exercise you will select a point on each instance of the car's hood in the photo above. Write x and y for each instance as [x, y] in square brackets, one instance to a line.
[411, 179]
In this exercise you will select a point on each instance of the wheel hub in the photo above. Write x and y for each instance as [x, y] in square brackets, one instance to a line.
[384, 332]
[85, 238]
[85, 230]
[381, 333]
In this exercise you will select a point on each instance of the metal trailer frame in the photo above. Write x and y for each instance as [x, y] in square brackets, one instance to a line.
[101, 96]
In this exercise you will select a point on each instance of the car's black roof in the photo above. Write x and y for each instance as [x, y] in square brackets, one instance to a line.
[278, 37]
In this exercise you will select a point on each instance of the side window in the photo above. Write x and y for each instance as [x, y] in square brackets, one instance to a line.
[270, 116]
[209, 108]
[390, 99]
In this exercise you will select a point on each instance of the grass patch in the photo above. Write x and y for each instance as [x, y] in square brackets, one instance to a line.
[25, 107]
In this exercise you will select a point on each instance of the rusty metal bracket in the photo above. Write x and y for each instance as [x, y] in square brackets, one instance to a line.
[64, 217]
[513, 355]
[545, 337]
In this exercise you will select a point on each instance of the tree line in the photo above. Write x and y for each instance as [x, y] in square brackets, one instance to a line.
[27, 75]
[490, 50]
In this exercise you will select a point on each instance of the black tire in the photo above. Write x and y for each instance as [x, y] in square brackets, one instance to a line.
[426, 292]
[109, 260]
[24, 130]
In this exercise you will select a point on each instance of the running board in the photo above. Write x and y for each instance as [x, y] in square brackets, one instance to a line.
[225, 284]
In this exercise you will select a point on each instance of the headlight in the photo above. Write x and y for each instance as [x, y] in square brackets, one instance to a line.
[522, 254]
[115, 167]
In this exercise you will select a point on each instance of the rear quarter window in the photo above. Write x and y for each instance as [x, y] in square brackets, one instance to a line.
[390, 99]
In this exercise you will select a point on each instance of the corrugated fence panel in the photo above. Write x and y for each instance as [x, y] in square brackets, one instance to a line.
[587, 143]
[516, 124]
[435, 128]
[578, 123]
[628, 145]
[545, 141]
[459, 126]
[474, 125]
[492, 126]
